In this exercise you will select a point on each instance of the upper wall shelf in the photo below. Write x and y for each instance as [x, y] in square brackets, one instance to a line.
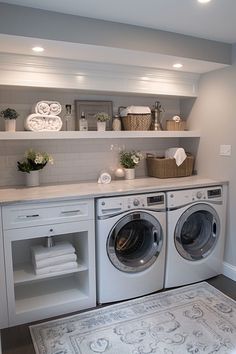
[97, 135]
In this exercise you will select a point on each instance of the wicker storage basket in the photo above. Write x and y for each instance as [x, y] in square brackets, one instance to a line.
[172, 125]
[167, 168]
[137, 122]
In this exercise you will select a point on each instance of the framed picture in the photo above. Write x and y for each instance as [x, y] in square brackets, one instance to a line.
[90, 108]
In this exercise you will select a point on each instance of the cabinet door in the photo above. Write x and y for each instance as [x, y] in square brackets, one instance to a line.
[3, 296]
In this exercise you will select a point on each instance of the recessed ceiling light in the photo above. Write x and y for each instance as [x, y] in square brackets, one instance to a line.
[177, 65]
[38, 49]
[204, 1]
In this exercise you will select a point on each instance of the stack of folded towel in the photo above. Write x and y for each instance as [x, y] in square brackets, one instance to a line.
[54, 259]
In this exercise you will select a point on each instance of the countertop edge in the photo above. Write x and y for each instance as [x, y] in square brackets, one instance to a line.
[91, 190]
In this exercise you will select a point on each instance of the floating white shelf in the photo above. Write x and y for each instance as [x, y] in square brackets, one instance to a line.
[26, 135]
[25, 273]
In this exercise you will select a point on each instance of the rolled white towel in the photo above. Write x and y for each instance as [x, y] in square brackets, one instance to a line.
[42, 107]
[176, 153]
[60, 248]
[38, 123]
[48, 107]
[55, 108]
[52, 261]
[104, 178]
[135, 110]
[57, 268]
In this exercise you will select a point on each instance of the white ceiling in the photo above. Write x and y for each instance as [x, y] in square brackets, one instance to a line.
[214, 20]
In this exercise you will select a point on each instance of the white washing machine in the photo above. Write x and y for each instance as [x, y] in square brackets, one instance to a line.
[195, 235]
[130, 246]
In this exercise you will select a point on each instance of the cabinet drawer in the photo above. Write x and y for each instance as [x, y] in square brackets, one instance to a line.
[24, 215]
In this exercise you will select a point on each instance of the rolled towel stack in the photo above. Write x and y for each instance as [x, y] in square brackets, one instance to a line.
[45, 117]
[60, 257]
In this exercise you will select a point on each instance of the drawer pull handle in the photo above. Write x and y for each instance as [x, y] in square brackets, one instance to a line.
[70, 212]
[28, 216]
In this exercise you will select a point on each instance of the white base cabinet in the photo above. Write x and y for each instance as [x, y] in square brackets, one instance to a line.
[33, 297]
[3, 293]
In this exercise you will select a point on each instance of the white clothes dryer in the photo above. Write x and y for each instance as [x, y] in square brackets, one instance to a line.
[195, 235]
[130, 246]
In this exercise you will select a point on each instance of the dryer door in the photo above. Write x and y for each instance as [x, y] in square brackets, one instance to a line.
[135, 242]
[197, 232]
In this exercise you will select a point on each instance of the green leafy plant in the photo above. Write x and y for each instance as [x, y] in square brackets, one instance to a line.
[130, 159]
[9, 113]
[34, 161]
[102, 117]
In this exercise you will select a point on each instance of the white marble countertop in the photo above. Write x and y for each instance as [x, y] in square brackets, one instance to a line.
[93, 189]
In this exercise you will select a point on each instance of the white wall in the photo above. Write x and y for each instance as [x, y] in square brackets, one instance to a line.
[74, 160]
[214, 113]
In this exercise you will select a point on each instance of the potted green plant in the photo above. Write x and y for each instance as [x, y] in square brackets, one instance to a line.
[9, 116]
[102, 118]
[32, 163]
[129, 160]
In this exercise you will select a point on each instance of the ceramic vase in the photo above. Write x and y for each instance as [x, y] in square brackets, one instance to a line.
[129, 173]
[32, 179]
[101, 126]
[10, 125]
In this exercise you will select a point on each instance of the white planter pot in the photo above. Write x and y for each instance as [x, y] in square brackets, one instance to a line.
[101, 126]
[10, 125]
[129, 173]
[32, 179]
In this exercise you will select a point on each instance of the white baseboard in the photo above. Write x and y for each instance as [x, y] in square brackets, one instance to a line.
[229, 271]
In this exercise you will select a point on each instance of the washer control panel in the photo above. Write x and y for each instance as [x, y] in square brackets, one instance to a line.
[116, 205]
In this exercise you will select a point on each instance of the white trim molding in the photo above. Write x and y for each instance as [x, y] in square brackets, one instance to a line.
[229, 271]
[32, 71]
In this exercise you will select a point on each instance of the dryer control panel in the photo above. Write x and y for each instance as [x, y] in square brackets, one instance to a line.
[115, 205]
[189, 196]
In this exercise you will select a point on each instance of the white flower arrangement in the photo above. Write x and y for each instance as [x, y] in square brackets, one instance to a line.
[102, 117]
[34, 161]
[130, 159]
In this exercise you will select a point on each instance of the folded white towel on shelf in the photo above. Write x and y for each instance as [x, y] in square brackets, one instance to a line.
[60, 248]
[57, 268]
[37, 123]
[48, 108]
[135, 110]
[176, 153]
[52, 261]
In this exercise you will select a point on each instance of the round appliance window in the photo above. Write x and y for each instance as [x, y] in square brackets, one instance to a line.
[135, 242]
[197, 232]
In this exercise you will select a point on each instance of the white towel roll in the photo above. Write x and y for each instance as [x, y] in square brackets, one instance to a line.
[104, 178]
[37, 123]
[42, 107]
[48, 107]
[176, 153]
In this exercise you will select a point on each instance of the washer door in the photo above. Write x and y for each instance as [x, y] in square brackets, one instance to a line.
[197, 232]
[135, 242]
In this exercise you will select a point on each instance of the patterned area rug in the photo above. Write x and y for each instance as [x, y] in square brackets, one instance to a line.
[193, 319]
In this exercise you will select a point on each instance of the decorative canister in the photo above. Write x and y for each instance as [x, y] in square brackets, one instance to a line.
[116, 124]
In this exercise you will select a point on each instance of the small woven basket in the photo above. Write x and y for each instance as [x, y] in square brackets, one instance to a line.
[167, 168]
[137, 122]
[172, 125]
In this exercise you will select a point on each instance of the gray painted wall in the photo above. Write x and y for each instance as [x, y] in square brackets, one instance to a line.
[214, 114]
